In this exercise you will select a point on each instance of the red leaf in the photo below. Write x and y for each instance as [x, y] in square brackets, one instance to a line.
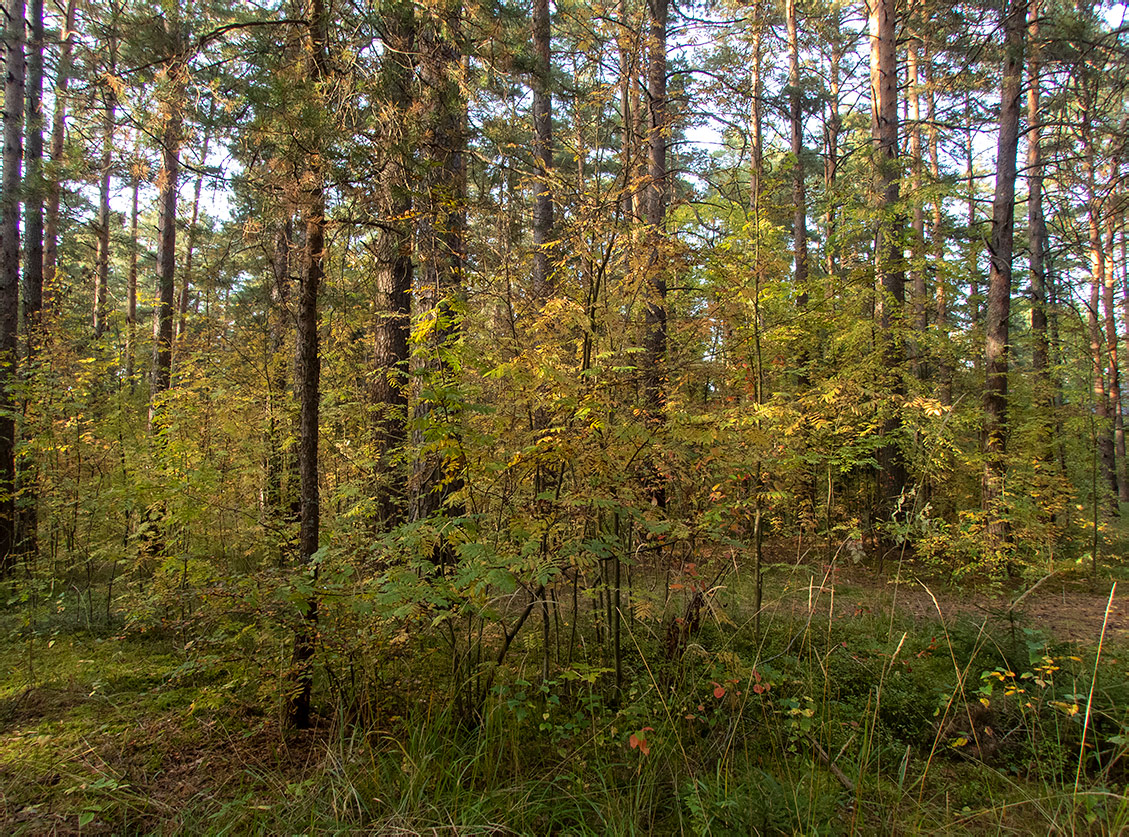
[719, 691]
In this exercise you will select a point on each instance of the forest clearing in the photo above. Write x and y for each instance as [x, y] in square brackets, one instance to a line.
[611, 417]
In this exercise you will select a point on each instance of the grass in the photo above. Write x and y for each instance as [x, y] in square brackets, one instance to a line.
[851, 714]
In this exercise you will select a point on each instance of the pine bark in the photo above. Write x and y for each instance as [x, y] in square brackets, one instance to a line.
[172, 117]
[943, 360]
[917, 224]
[1036, 222]
[32, 300]
[31, 292]
[109, 123]
[889, 267]
[542, 150]
[10, 276]
[58, 138]
[657, 197]
[193, 233]
[796, 125]
[1001, 246]
[1098, 349]
[832, 130]
[391, 350]
[440, 243]
[309, 382]
[131, 281]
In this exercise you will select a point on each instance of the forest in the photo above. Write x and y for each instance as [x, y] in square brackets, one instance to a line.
[609, 417]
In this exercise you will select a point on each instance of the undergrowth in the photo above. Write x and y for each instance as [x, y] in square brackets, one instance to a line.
[833, 720]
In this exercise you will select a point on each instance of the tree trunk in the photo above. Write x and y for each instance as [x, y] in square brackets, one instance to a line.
[542, 151]
[1099, 353]
[391, 350]
[32, 300]
[10, 276]
[936, 236]
[1000, 247]
[134, 247]
[917, 165]
[171, 115]
[832, 130]
[799, 192]
[973, 241]
[58, 137]
[654, 340]
[109, 122]
[888, 267]
[1109, 311]
[309, 383]
[190, 245]
[1037, 229]
[440, 236]
[628, 102]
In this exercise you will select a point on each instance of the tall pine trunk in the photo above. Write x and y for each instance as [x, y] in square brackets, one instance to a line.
[10, 276]
[440, 242]
[172, 116]
[109, 122]
[31, 299]
[1037, 228]
[542, 150]
[657, 196]
[309, 382]
[1098, 350]
[917, 224]
[1000, 247]
[134, 247]
[888, 258]
[193, 232]
[391, 350]
[58, 138]
[943, 357]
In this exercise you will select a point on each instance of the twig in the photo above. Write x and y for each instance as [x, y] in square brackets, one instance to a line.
[836, 771]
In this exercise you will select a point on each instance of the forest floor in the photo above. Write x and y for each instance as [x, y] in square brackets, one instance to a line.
[110, 733]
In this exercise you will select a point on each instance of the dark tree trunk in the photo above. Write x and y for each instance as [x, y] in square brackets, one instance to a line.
[134, 246]
[1036, 223]
[799, 191]
[1109, 312]
[974, 242]
[58, 138]
[1001, 245]
[542, 151]
[171, 114]
[10, 276]
[391, 351]
[309, 386]
[440, 234]
[31, 300]
[654, 340]
[109, 121]
[627, 43]
[917, 226]
[832, 129]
